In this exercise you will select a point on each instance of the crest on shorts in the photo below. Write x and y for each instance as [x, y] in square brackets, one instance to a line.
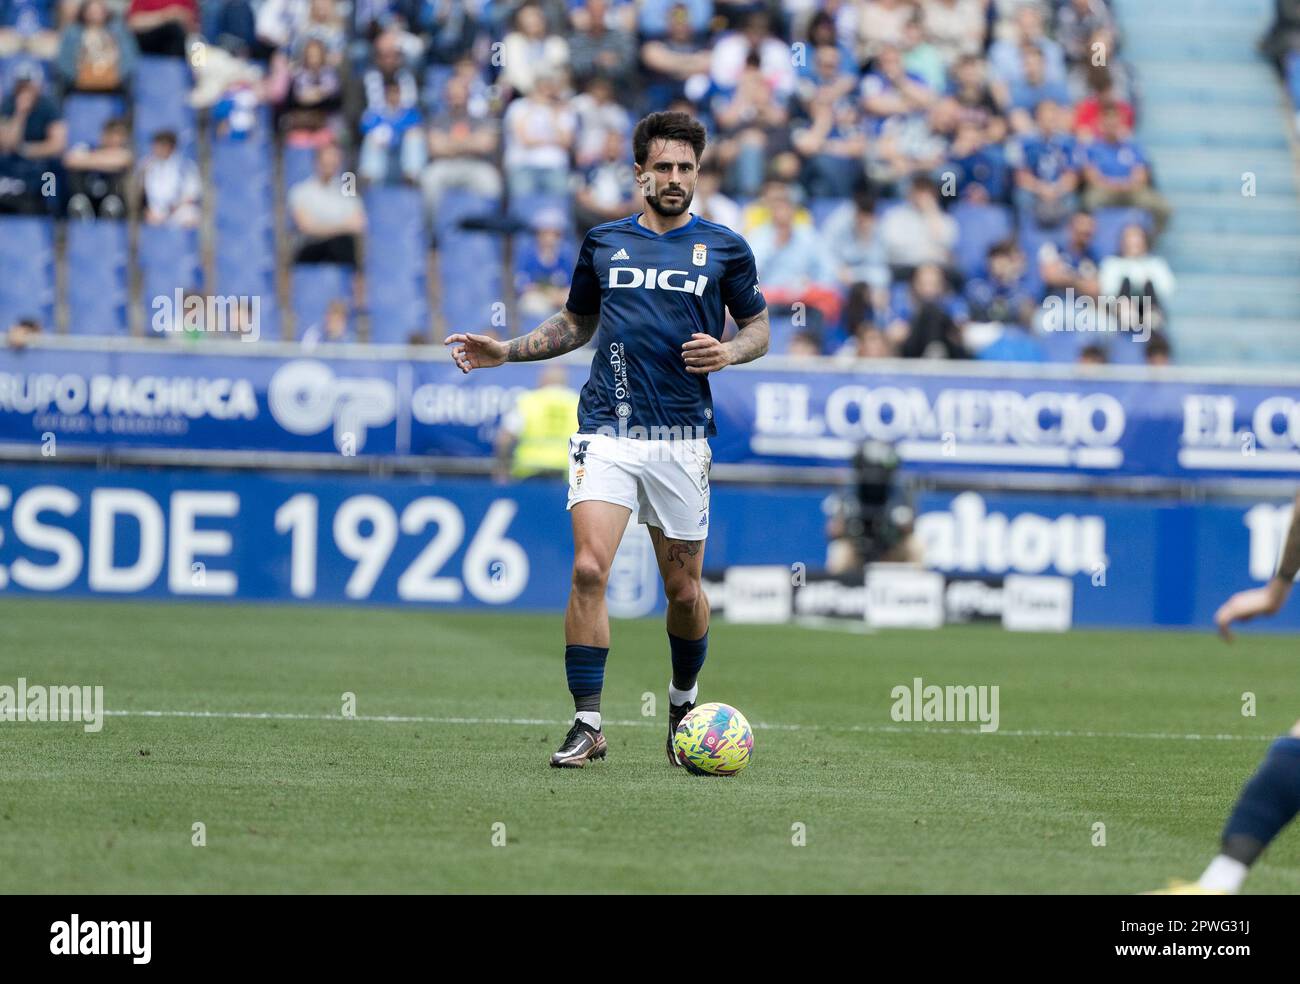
[700, 254]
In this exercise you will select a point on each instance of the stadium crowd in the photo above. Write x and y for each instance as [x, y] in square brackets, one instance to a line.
[915, 177]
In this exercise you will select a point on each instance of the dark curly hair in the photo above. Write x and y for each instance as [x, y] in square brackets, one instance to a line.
[667, 126]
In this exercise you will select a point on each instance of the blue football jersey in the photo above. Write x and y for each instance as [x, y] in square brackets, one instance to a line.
[653, 292]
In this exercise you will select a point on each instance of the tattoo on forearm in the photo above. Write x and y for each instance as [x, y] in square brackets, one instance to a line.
[560, 333]
[1289, 565]
[751, 340]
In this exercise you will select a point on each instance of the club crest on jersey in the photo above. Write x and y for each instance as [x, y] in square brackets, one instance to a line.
[700, 254]
[652, 279]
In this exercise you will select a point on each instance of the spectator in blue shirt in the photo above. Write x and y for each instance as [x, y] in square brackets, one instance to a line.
[1003, 295]
[821, 33]
[852, 236]
[29, 24]
[979, 167]
[927, 323]
[976, 98]
[392, 140]
[832, 141]
[793, 264]
[890, 90]
[673, 59]
[608, 190]
[1006, 56]
[1046, 166]
[1118, 175]
[1027, 93]
[1076, 20]
[543, 269]
[655, 15]
[1073, 264]
[33, 138]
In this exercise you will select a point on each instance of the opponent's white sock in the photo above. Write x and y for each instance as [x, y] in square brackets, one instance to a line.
[1224, 874]
[679, 697]
[589, 717]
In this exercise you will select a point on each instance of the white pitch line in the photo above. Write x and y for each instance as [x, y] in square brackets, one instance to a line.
[891, 729]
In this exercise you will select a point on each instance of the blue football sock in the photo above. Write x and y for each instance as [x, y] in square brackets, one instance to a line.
[585, 668]
[1267, 803]
[688, 657]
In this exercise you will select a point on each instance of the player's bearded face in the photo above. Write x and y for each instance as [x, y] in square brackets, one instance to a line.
[667, 194]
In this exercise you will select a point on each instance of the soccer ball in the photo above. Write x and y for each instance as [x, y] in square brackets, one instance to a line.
[713, 740]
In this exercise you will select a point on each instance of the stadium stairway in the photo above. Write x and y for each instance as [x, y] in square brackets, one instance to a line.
[1212, 111]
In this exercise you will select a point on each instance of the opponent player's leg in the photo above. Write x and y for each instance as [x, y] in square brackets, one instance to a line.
[597, 530]
[681, 563]
[1268, 802]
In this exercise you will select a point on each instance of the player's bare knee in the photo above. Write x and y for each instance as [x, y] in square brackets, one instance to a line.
[683, 592]
[589, 574]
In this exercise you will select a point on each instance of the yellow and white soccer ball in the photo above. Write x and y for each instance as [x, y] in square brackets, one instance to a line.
[714, 740]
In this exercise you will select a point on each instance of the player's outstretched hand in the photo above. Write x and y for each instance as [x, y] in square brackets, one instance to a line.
[1245, 605]
[475, 351]
[704, 353]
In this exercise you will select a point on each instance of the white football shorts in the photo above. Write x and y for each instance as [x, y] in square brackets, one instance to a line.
[666, 483]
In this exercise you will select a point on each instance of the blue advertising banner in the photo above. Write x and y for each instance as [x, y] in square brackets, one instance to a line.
[941, 420]
[346, 539]
[1142, 563]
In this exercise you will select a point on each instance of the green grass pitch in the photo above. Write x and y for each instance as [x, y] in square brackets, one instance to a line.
[1096, 727]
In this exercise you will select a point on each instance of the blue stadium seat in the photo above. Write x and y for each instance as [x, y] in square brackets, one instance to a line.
[783, 331]
[162, 89]
[528, 207]
[298, 163]
[1032, 238]
[395, 211]
[27, 259]
[1064, 346]
[314, 286]
[455, 207]
[395, 317]
[96, 280]
[245, 204]
[469, 262]
[86, 114]
[1111, 223]
[244, 266]
[1127, 349]
[822, 208]
[169, 260]
[435, 80]
[396, 250]
[254, 289]
[979, 227]
[470, 269]
[11, 66]
[237, 164]
[1014, 344]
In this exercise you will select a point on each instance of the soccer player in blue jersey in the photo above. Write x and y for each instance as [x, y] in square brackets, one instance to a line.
[1271, 799]
[653, 289]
